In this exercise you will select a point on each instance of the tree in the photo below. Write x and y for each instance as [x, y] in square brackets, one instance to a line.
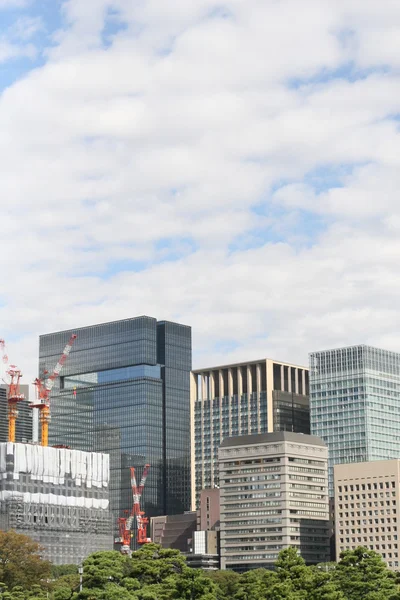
[227, 583]
[20, 561]
[255, 584]
[61, 570]
[152, 564]
[101, 568]
[362, 574]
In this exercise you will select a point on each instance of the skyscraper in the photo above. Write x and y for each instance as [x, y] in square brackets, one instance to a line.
[255, 397]
[125, 391]
[355, 404]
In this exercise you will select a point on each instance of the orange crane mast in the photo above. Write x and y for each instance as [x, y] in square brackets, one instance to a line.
[13, 394]
[13, 397]
[125, 524]
[43, 391]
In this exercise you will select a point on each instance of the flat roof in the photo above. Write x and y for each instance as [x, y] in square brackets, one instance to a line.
[249, 362]
[277, 436]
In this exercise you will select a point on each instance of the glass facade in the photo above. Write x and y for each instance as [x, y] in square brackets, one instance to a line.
[355, 404]
[124, 390]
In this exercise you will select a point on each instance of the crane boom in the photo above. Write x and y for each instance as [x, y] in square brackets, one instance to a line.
[13, 392]
[43, 389]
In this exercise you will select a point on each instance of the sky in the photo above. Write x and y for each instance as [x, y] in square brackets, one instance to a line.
[231, 165]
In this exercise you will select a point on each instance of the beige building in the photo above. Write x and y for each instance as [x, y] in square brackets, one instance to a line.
[274, 494]
[240, 399]
[367, 502]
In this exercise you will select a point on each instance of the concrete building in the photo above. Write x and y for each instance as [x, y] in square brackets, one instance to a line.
[125, 390]
[196, 534]
[367, 508]
[174, 531]
[58, 497]
[355, 404]
[23, 429]
[274, 494]
[240, 399]
[208, 515]
[204, 551]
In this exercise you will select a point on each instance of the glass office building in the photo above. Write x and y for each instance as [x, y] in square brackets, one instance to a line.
[355, 404]
[124, 390]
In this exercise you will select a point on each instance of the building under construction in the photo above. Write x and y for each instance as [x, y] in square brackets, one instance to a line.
[57, 496]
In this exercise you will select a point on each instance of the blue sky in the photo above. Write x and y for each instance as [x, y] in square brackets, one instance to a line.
[233, 166]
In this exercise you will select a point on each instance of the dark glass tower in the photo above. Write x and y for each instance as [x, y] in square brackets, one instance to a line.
[124, 390]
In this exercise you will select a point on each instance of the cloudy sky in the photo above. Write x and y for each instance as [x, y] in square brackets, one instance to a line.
[231, 165]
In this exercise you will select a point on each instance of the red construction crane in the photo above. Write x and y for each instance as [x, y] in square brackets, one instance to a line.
[43, 390]
[141, 520]
[125, 523]
[13, 393]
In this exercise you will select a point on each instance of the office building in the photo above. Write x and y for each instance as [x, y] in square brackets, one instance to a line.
[174, 531]
[58, 497]
[23, 428]
[274, 494]
[124, 390]
[355, 404]
[247, 398]
[367, 503]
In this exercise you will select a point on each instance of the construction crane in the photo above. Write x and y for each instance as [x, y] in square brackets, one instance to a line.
[13, 393]
[43, 390]
[125, 523]
[13, 397]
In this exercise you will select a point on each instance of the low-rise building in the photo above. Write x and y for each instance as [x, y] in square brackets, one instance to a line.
[367, 505]
[274, 494]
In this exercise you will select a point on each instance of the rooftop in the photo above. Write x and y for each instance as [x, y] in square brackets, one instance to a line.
[248, 362]
[269, 438]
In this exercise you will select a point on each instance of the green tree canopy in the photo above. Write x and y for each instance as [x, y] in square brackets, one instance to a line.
[362, 574]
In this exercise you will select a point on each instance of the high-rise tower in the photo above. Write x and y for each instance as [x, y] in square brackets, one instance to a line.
[355, 404]
[125, 391]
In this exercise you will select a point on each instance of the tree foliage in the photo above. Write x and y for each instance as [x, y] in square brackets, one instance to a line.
[154, 573]
[20, 562]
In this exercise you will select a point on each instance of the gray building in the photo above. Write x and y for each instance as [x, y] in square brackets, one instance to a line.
[23, 429]
[355, 404]
[274, 494]
[240, 399]
[124, 390]
[58, 497]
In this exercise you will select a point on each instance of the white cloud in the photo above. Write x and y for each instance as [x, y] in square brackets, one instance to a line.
[212, 164]
[14, 3]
